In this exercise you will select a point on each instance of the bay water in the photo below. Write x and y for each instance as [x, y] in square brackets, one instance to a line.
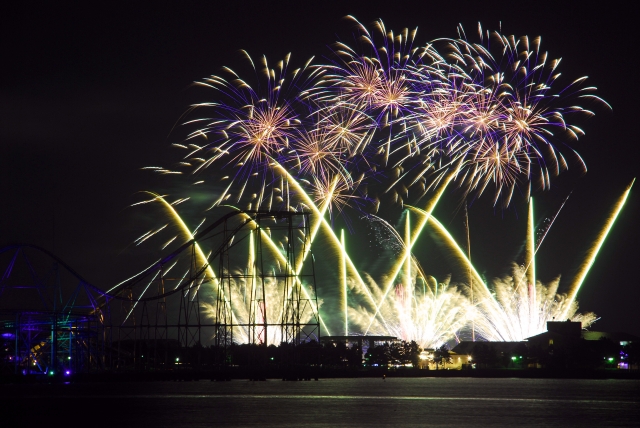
[362, 402]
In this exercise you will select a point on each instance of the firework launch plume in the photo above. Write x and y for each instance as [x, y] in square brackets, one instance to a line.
[520, 311]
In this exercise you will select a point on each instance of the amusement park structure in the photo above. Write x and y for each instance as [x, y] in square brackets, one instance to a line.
[202, 295]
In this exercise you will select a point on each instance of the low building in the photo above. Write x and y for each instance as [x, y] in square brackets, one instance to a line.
[369, 341]
[566, 345]
[453, 362]
[481, 354]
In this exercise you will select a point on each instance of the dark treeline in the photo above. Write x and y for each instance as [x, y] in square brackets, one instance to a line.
[582, 354]
[152, 355]
[166, 360]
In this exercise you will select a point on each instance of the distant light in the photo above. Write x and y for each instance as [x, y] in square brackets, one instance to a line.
[51, 373]
[513, 358]
[177, 359]
[610, 358]
[67, 373]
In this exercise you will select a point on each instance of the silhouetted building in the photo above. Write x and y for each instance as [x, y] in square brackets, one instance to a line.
[370, 341]
[559, 334]
[622, 338]
[566, 345]
[482, 354]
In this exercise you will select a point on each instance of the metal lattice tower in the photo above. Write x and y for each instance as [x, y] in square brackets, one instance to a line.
[280, 293]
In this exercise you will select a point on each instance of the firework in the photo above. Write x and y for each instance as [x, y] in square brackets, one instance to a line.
[513, 119]
[250, 125]
[380, 82]
[387, 115]
[389, 111]
[521, 309]
[595, 248]
[517, 306]
[422, 310]
[407, 303]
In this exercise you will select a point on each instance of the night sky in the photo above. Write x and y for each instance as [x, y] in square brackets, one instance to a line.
[90, 95]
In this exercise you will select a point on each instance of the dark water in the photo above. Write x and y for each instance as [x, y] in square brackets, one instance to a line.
[428, 402]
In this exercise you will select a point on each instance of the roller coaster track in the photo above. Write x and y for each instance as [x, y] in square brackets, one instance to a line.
[94, 308]
[115, 292]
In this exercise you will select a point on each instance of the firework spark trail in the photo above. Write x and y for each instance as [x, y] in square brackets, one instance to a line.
[343, 277]
[379, 83]
[136, 303]
[597, 245]
[452, 243]
[530, 251]
[506, 312]
[550, 223]
[531, 259]
[316, 225]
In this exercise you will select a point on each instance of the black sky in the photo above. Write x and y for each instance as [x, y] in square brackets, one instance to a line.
[90, 94]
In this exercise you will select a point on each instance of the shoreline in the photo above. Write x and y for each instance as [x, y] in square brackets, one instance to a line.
[315, 373]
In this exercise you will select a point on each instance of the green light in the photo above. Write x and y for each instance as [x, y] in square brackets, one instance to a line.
[513, 358]
[51, 373]
[610, 359]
